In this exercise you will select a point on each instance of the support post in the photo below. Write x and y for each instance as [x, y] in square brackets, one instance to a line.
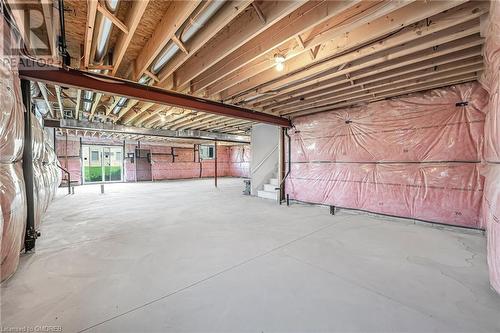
[31, 234]
[282, 165]
[215, 154]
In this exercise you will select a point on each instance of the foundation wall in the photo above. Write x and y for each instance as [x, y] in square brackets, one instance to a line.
[416, 156]
[167, 161]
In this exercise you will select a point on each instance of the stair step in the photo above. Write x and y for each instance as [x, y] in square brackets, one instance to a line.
[273, 195]
[274, 181]
[270, 187]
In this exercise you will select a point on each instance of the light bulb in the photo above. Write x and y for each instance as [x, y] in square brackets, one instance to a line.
[278, 58]
[280, 66]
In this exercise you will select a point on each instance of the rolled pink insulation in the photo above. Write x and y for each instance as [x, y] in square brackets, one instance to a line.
[13, 209]
[11, 116]
[12, 187]
[416, 156]
[491, 201]
[491, 219]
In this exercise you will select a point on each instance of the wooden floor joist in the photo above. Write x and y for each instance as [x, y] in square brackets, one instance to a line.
[335, 54]
[272, 80]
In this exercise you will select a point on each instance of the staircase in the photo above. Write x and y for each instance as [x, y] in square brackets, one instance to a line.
[270, 190]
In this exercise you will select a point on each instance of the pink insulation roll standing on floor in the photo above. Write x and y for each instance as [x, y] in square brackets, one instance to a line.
[13, 208]
[490, 215]
[415, 156]
[11, 116]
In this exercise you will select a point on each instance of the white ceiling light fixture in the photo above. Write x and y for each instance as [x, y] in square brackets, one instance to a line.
[279, 59]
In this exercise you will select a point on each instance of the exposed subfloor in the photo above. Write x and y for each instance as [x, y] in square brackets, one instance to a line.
[182, 256]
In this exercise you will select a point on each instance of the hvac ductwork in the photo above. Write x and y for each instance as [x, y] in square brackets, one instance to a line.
[193, 25]
[103, 32]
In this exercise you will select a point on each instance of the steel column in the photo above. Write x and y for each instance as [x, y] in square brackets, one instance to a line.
[31, 234]
[215, 153]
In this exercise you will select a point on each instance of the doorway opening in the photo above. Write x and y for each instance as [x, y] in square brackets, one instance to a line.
[102, 164]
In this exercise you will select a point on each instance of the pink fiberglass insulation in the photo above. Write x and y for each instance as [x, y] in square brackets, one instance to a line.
[46, 179]
[232, 161]
[12, 188]
[11, 115]
[415, 156]
[239, 161]
[13, 216]
[491, 201]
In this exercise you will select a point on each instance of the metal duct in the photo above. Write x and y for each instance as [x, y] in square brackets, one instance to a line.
[189, 31]
[104, 31]
[171, 48]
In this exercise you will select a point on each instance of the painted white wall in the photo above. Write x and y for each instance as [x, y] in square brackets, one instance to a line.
[264, 139]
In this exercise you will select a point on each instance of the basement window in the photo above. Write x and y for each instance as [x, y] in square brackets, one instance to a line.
[207, 152]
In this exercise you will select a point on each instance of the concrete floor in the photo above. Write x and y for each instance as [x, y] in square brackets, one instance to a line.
[184, 257]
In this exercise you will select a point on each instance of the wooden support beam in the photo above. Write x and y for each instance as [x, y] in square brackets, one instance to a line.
[394, 68]
[219, 123]
[219, 21]
[111, 107]
[43, 90]
[385, 85]
[314, 52]
[280, 35]
[151, 75]
[126, 109]
[188, 115]
[110, 16]
[368, 98]
[200, 123]
[95, 104]
[177, 13]
[78, 103]
[89, 30]
[190, 122]
[59, 101]
[180, 44]
[233, 37]
[259, 12]
[147, 115]
[134, 16]
[340, 25]
[406, 54]
[144, 107]
[48, 17]
[300, 42]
